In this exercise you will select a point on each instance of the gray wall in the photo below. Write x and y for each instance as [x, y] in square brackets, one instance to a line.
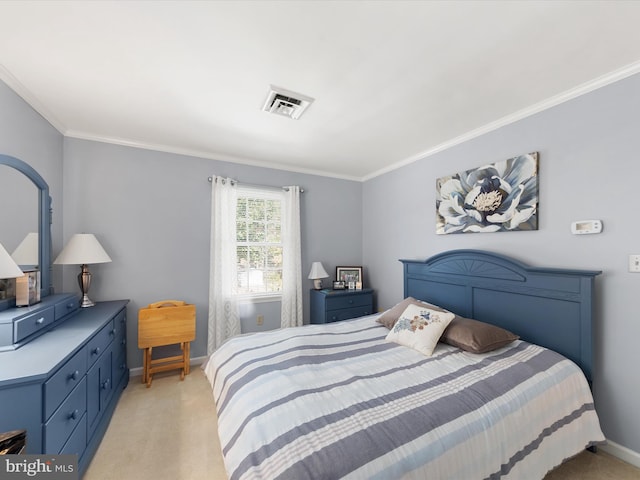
[151, 212]
[588, 169]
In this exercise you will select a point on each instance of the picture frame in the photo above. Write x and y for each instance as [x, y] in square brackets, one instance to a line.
[351, 276]
[498, 197]
[338, 285]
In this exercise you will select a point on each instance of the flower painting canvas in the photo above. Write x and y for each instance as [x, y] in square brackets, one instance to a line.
[500, 197]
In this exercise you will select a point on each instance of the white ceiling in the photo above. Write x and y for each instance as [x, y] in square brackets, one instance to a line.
[393, 81]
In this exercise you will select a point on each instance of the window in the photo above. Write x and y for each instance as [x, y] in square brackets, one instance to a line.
[259, 241]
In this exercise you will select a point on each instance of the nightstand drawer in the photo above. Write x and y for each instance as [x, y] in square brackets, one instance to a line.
[30, 324]
[63, 381]
[347, 313]
[63, 422]
[349, 301]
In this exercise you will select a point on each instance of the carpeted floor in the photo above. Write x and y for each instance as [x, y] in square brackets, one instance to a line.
[168, 432]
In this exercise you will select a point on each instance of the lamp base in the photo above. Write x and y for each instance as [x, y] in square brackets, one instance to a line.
[84, 280]
[317, 284]
[86, 301]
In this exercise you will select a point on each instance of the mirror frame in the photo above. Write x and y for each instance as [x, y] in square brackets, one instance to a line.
[44, 225]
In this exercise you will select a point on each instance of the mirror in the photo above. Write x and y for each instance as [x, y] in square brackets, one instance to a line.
[18, 210]
[26, 210]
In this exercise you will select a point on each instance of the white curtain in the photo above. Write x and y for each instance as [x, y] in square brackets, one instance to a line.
[224, 320]
[291, 312]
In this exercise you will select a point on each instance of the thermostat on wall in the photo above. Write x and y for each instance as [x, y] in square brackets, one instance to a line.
[583, 227]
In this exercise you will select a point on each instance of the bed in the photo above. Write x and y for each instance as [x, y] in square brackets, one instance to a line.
[340, 401]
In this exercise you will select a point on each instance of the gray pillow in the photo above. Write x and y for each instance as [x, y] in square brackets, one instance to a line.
[475, 336]
[391, 316]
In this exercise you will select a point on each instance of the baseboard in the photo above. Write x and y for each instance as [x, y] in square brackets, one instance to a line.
[623, 453]
[137, 371]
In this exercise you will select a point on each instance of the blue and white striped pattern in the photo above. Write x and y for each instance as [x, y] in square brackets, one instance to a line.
[338, 401]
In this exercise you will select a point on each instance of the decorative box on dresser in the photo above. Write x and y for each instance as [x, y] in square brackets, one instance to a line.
[335, 305]
[62, 386]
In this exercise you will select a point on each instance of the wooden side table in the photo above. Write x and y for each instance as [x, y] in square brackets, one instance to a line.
[168, 322]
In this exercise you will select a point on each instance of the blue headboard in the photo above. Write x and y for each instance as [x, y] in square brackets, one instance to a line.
[551, 307]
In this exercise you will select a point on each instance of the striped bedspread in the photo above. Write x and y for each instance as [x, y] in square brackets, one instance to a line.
[337, 401]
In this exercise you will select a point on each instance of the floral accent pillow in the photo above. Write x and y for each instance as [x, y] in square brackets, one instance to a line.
[420, 328]
[391, 316]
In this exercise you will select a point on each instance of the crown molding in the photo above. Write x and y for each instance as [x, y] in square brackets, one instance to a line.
[23, 92]
[223, 157]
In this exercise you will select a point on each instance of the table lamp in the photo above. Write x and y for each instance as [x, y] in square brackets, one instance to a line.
[28, 252]
[8, 269]
[316, 274]
[83, 249]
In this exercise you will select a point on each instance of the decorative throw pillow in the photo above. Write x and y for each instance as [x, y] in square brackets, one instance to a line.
[475, 336]
[419, 327]
[390, 317]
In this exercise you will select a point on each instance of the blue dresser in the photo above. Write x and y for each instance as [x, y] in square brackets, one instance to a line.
[63, 386]
[335, 305]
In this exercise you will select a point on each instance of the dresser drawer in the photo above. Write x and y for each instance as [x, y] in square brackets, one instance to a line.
[78, 439]
[120, 335]
[348, 301]
[119, 367]
[119, 346]
[99, 343]
[65, 419]
[30, 324]
[120, 324]
[63, 381]
[66, 306]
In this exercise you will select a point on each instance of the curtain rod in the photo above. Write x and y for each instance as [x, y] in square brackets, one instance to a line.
[235, 182]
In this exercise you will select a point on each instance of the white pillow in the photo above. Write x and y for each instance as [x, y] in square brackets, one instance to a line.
[420, 328]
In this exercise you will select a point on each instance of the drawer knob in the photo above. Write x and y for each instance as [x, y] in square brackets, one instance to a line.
[123, 366]
[73, 415]
[70, 305]
[74, 375]
[40, 321]
[105, 384]
[95, 351]
[112, 332]
[124, 342]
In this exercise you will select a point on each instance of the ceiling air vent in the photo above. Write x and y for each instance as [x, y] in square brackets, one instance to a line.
[286, 103]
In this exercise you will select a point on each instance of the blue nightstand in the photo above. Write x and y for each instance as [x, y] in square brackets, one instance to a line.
[335, 305]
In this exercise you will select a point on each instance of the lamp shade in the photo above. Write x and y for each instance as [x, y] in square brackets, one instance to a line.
[317, 271]
[27, 253]
[82, 249]
[8, 267]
